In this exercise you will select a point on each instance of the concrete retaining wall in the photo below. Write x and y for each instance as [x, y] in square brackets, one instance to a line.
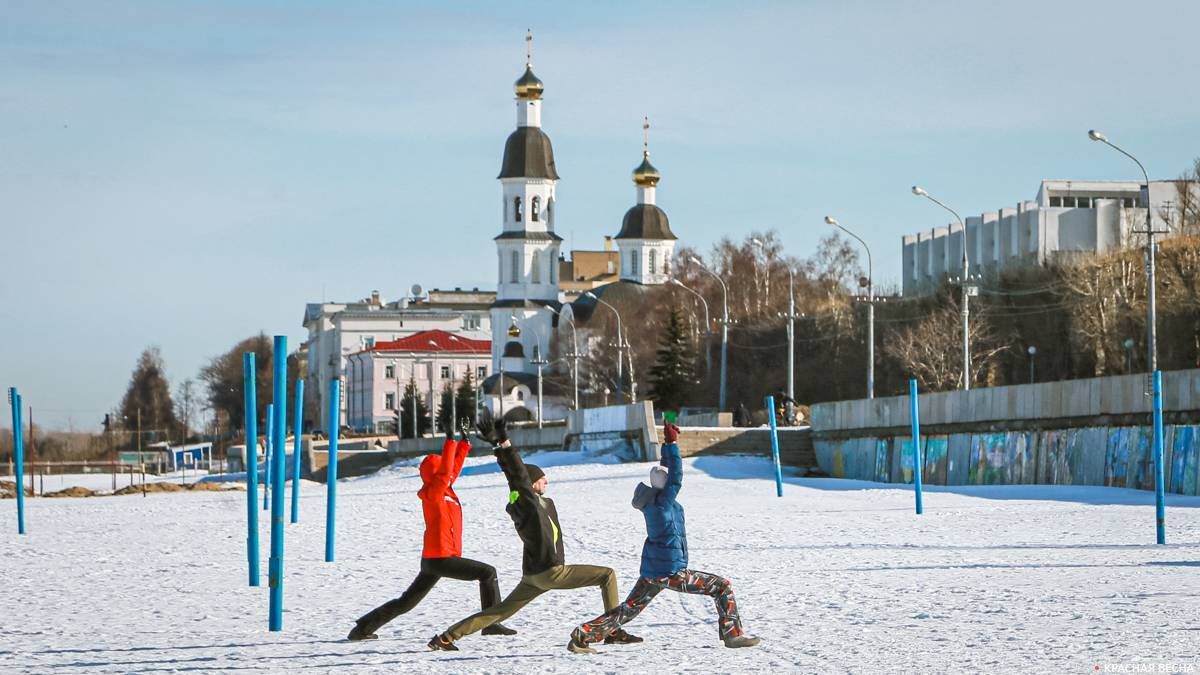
[1111, 456]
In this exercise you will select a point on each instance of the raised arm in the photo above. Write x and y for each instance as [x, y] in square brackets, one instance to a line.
[446, 472]
[514, 469]
[462, 448]
[671, 459]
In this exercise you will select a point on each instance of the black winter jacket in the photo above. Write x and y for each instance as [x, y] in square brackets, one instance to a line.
[534, 516]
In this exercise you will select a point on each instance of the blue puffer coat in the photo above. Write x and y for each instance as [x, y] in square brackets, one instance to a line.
[665, 550]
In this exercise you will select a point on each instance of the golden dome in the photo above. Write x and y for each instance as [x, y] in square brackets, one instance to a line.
[645, 174]
[529, 87]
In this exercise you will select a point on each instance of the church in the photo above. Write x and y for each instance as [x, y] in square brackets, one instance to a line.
[530, 308]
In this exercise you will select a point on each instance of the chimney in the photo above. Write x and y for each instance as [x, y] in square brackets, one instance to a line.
[608, 243]
[375, 299]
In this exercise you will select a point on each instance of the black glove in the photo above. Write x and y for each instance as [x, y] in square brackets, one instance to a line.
[491, 429]
[464, 430]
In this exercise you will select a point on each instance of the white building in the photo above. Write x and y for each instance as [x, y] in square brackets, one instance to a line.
[1068, 218]
[377, 376]
[338, 329]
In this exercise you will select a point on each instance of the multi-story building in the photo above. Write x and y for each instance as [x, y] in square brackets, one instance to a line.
[338, 329]
[1067, 219]
[376, 377]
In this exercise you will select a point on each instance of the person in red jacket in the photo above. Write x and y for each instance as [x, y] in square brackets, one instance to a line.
[442, 554]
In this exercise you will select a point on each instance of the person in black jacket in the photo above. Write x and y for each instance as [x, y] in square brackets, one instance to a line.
[542, 564]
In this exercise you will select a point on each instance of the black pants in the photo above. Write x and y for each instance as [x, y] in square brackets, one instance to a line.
[433, 569]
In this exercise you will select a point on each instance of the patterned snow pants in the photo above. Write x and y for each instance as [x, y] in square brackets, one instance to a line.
[684, 581]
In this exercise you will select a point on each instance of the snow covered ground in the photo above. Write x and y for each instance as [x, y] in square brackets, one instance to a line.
[837, 576]
[103, 482]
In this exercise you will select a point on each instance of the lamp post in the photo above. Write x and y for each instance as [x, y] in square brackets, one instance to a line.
[1032, 351]
[966, 289]
[1128, 344]
[791, 325]
[539, 361]
[707, 326]
[1151, 304]
[724, 329]
[620, 371]
[830, 220]
[574, 355]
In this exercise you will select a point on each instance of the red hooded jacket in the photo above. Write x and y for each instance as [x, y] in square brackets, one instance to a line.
[443, 513]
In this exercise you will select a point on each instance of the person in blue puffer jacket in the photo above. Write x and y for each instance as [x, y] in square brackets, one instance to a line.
[665, 560]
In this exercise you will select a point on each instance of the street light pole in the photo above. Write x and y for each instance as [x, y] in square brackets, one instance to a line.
[966, 289]
[620, 372]
[1151, 303]
[1032, 351]
[871, 303]
[574, 355]
[540, 362]
[724, 330]
[707, 326]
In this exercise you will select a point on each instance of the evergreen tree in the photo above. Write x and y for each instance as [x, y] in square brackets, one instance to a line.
[413, 397]
[149, 396]
[671, 376]
[464, 402]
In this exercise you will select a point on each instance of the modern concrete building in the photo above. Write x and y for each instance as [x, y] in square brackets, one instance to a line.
[338, 329]
[377, 376]
[1067, 219]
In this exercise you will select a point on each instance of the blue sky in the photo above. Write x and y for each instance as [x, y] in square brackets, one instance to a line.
[186, 174]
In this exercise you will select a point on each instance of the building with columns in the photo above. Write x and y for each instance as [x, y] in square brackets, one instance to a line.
[1068, 218]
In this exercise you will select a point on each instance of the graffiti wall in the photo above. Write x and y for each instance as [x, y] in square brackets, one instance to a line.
[1112, 456]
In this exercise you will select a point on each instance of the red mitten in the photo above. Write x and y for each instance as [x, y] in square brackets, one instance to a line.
[670, 432]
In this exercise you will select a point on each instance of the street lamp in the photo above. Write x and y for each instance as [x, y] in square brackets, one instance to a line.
[1128, 344]
[707, 326]
[574, 355]
[1032, 351]
[966, 289]
[620, 371]
[540, 362]
[791, 324]
[1151, 303]
[830, 220]
[724, 329]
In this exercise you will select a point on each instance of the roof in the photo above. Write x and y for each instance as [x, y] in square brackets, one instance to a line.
[435, 340]
[528, 154]
[588, 265]
[645, 221]
[623, 293]
[528, 235]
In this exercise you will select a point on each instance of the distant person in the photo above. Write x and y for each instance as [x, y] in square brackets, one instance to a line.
[665, 561]
[442, 554]
[542, 565]
[741, 416]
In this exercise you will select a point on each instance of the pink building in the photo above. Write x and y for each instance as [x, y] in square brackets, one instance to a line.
[376, 377]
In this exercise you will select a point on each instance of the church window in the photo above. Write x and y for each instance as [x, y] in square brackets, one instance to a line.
[653, 261]
[550, 213]
[635, 264]
[517, 209]
[666, 264]
[535, 208]
[553, 269]
[537, 268]
[515, 264]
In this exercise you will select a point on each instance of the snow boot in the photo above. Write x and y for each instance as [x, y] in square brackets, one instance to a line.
[577, 646]
[441, 643]
[620, 637]
[498, 629]
[735, 641]
[357, 633]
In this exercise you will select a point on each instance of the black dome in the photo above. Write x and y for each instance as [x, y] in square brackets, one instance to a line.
[528, 154]
[645, 221]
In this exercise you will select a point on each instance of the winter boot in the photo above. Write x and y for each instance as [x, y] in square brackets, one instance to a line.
[357, 633]
[735, 641]
[441, 643]
[498, 629]
[577, 646]
[620, 637]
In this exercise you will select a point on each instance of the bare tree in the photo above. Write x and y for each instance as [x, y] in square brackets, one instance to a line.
[930, 349]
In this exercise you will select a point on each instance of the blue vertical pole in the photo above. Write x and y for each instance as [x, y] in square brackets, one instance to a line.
[775, 446]
[1160, 506]
[298, 421]
[914, 407]
[14, 398]
[279, 451]
[335, 424]
[270, 454]
[251, 462]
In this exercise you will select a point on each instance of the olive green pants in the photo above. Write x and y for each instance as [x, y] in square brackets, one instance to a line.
[532, 585]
